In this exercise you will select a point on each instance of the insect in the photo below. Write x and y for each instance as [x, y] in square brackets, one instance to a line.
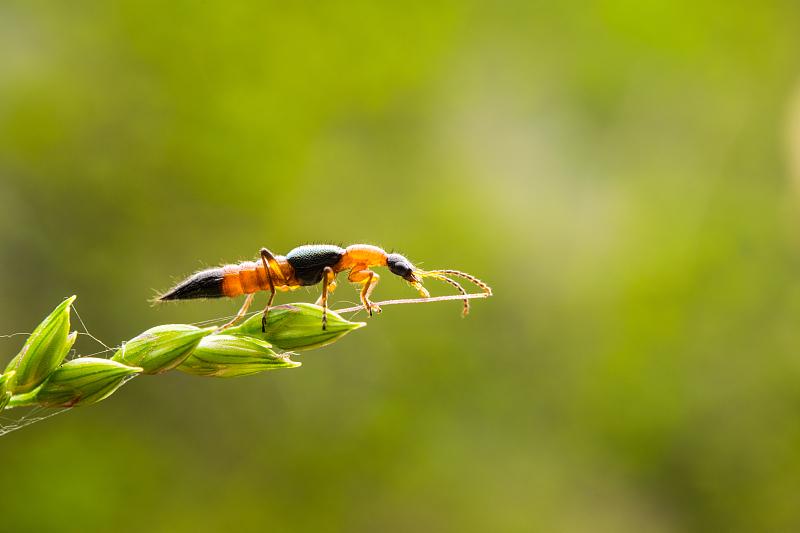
[305, 266]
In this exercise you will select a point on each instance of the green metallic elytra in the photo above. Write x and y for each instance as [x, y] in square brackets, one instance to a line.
[310, 260]
[311, 255]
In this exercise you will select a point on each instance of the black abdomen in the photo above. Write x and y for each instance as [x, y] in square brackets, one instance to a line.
[205, 284]
[310, 260]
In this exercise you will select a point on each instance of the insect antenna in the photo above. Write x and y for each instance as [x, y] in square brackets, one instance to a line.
[440, 274]
[457, 286]
[473, 279]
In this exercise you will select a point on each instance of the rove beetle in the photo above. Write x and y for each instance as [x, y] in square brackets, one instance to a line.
[305, 266]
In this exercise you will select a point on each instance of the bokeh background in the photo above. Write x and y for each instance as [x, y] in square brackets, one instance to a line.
[624, 174]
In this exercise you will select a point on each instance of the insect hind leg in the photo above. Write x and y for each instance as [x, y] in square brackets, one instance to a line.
[242, 312]
[269, 261]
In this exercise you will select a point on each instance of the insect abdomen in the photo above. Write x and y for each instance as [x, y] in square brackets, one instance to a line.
[309, 261]
[244, 278]
[204, 284]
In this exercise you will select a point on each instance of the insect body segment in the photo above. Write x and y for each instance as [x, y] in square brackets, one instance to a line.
[305, 266]
[204, 284]
[310, 261]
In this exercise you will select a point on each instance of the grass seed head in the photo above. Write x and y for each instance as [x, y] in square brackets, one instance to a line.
[229, 356]
[296, 327]
[162, 348]
[44, 350]
[82, 381]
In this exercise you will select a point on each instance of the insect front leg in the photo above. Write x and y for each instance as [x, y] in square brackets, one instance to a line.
[369, 279]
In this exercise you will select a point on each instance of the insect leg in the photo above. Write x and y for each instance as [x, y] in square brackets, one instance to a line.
[327, 284]
[457, 286]
[331, 288]
[267, 256]
[242, 312]
[369, 279]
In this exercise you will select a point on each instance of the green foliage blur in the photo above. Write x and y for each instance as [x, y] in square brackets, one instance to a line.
[623, 174]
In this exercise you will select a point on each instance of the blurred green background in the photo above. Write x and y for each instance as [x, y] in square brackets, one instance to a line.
[623, 174]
